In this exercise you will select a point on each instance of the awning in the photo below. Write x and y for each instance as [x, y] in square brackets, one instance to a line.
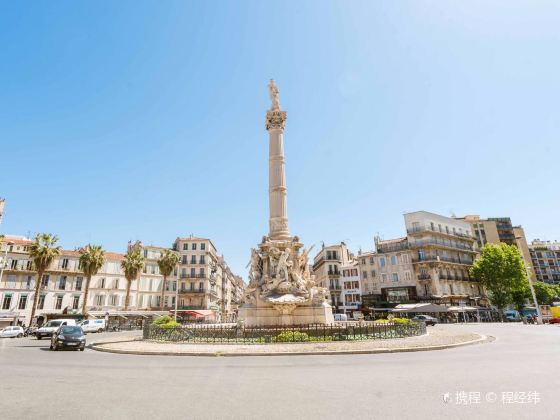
[420, 308]
[200, 313]
[461, 308]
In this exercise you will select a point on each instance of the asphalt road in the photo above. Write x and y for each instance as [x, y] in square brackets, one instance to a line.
[37, 383]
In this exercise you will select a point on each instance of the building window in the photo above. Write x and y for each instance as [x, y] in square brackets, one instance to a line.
[404, 258]
[13, 265]
[202, 247]
[99, 300]
[393, 260]
[114, 300]
[364, 274]
[371, 260]
[79, 281]
[395, 276]
[382, 261]
[7, 302]
[202, 272]
[193, 247]
[202, 260]
[22, 302]
[58, 302]
[75, 302]
[116, 284]
[102, 283]
[185, 247]
[62, 283]
[184, 259]
[41, 303]
[193, 272]
[65, 263]
[28, 282]
[407, 275]
[45, 281]
[193, 259]
[383, 278]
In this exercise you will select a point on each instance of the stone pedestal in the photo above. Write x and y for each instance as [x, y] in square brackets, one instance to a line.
[264, 315]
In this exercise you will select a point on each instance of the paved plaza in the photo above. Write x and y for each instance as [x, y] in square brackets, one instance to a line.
[96, 385]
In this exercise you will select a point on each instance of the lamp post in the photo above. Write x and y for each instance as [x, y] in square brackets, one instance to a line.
[176, 292]
[539, 315]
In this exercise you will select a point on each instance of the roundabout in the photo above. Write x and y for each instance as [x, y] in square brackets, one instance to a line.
[433, 339]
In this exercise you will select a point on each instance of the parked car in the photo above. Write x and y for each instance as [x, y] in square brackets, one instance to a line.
[68, 337]
[50, 327]
[12, 332]
[554, 321]
[93, 325]
[429, 320]
[512, 316]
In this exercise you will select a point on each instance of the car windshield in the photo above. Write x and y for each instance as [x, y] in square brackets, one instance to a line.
[71, 330]
[53, 323]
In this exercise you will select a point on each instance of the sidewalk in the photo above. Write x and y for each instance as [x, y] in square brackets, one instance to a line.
[436, 339]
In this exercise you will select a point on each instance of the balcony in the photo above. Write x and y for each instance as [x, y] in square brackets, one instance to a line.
[392, 247]
[198, 291]
[422, 229]
[192, 276]
[424, 277]
[441, 259]
[442, 244]
[334, 273]
[335, 287]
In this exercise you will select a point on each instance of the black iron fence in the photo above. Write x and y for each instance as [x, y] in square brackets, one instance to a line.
[229, 334]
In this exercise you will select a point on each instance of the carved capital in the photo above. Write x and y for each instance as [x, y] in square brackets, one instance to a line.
[275, 120]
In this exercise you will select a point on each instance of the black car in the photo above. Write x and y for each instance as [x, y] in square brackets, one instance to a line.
[68, 337]
[429, 320]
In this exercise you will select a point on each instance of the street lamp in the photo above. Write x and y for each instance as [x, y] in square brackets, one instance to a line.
[539, 315]
[176, 292]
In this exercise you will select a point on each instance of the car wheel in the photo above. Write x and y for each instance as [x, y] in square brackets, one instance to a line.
[20, 335]
[82, 349]
[100, 330]
[39, 337]
[55, 347]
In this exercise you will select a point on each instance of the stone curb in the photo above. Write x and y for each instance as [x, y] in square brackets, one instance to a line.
[99, 347]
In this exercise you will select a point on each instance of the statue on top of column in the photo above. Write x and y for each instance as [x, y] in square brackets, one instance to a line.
[274, 98]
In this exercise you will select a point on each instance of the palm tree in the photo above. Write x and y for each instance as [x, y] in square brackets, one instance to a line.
[92, 258]
[166, 263]
[132, 265]
[43, 252]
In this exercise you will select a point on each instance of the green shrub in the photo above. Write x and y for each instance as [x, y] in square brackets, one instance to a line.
[165, 319]
[402, 321]
[170, 324]
[287, 336]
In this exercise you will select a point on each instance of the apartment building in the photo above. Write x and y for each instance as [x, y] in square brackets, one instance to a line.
[327, 270]
[545, 256]
[497, 230]
[63, 284]
[351, 295]
[443, 250]
[395, 274]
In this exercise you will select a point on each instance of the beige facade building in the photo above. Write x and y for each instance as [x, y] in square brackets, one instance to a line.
[443, 250]
[327, 269]
[63, 284]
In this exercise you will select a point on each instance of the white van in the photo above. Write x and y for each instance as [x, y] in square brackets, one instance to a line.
[340, 317]
[93, 325]
[50, 327]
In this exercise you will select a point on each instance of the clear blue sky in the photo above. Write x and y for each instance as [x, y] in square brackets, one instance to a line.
[145, 119]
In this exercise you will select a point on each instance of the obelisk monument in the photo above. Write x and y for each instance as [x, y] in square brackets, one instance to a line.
[277, 193]
[281, 288]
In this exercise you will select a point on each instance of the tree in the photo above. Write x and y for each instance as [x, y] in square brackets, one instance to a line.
[166, 263]
[132, 265]
[43, 252]
[501, 271]
[519, 296]
[92, 258]
[545, 293]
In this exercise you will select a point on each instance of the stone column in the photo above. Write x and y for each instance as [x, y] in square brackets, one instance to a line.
[277, 193]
